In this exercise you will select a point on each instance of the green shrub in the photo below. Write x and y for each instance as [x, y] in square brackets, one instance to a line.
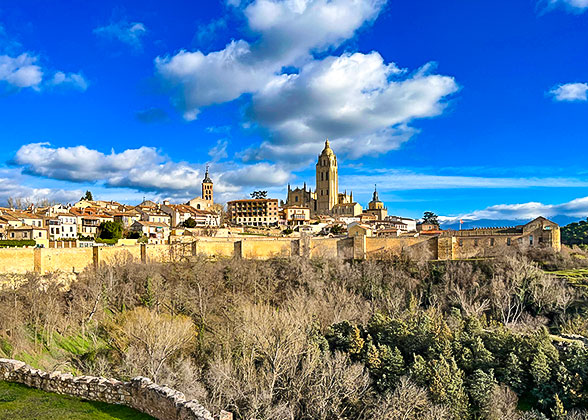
[7, 243]
[106, 241]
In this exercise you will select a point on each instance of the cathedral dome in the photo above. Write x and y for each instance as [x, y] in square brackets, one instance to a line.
[327, 150]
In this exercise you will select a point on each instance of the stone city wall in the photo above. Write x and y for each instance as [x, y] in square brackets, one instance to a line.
[17, 260]
[140, 393]
[74, 260]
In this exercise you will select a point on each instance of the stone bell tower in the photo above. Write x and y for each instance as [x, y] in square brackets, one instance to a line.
[327, 180]
[207, 188]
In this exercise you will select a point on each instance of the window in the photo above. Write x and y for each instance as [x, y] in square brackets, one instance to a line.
[475, 242]
[461, 242]
[491, 241]
[531, 240]
[508, 241]
[296, 198]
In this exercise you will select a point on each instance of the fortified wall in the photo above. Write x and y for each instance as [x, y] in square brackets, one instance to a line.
[47, 260]
[140, 393]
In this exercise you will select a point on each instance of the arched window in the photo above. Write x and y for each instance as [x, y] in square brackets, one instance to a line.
[198, 206]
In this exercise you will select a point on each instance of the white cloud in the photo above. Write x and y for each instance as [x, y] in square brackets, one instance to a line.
[526, 211]
[21, 71]
[577, 6]
[356, 99]
[130, 33]
[404, 180]
[570, 92]
[260, 174]
[198, 80]
[142, 169]
[12, 186]
[219, 151]
[75, 80]
[363, 104]
[288, 31]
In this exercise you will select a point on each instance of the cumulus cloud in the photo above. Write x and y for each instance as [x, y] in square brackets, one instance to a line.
[74, 80]
[21, 71]
[130, 33]
[357, 99]
[361, 102]
[570, 92]
[142, 169]
[525, 211]
[288, 31]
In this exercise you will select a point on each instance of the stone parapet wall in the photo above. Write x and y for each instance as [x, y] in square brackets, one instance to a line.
[140, 393]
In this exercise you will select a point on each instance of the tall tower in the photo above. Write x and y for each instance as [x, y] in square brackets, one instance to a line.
[327, 180]
[207, 188]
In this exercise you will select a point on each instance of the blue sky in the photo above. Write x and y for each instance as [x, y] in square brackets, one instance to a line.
[463, 108]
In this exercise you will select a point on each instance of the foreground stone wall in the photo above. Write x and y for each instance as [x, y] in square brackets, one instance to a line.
[140, 393]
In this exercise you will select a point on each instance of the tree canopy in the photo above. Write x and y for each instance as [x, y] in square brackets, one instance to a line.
[110, 230]
[259, 194]
[430, 217]
[575, 233]
[87, 196]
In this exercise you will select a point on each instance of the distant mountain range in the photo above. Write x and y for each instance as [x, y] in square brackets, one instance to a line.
[484, 223]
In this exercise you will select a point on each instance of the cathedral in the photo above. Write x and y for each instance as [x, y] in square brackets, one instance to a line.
[326, 198]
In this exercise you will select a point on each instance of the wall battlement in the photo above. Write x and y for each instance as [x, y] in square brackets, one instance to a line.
[140, 393]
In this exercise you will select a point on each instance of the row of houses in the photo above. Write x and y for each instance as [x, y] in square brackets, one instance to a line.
[267, 213]
[83, 219]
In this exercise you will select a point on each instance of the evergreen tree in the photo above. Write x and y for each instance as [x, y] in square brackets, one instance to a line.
[447, 386]
[513, 373]
[480, 387]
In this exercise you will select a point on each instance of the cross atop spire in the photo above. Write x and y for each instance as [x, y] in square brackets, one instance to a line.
[206, 179]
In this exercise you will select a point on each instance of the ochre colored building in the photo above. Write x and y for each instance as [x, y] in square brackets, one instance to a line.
[472, 243]
[326, 199]
[253, 212]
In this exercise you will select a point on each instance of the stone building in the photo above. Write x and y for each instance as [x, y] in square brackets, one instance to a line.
[296, 215]
[471, 243]
[376, 207]
[254, 212]
[326, 198]
[206, 200]
[302, 197]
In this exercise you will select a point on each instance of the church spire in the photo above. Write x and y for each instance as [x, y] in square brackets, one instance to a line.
[375, 197]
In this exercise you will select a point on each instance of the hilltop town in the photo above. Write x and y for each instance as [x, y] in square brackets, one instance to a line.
[323, 212]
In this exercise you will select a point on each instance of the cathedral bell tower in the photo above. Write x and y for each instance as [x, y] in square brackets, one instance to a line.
[327, 180]
[207, 188]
